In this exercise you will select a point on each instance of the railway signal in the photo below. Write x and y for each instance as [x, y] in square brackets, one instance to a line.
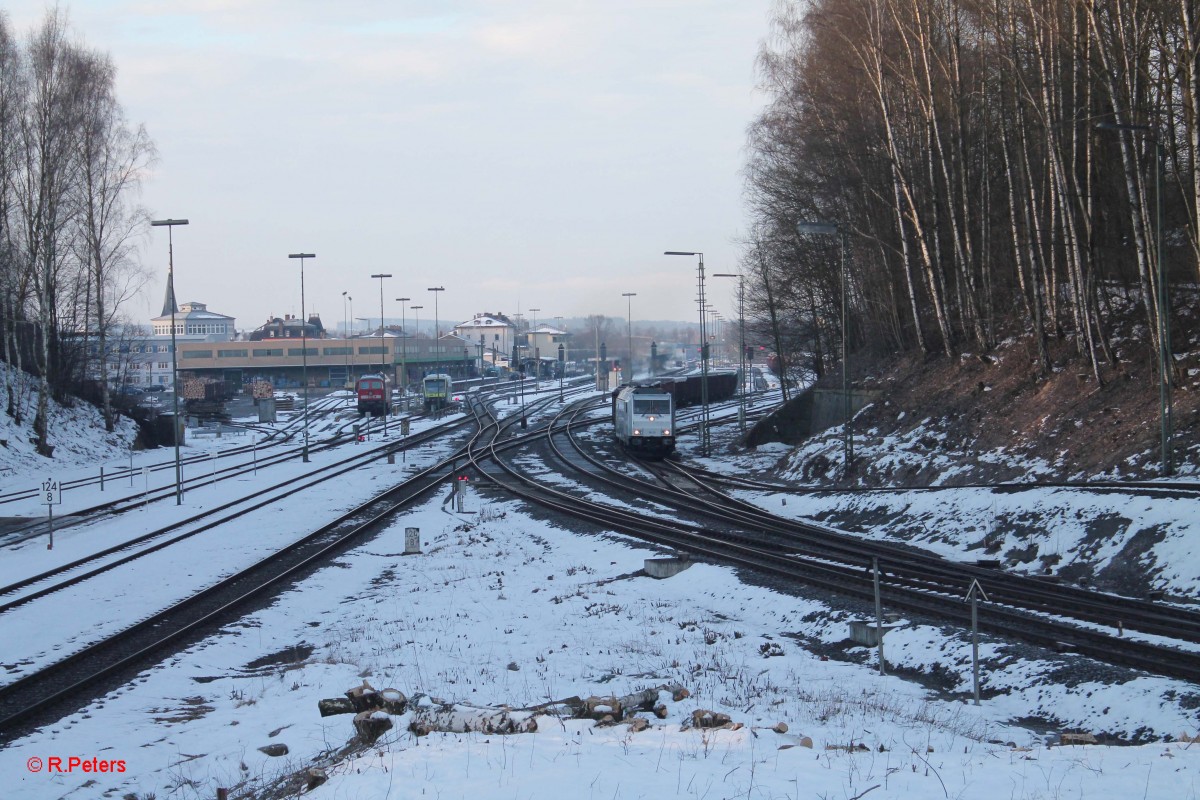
[972, 591]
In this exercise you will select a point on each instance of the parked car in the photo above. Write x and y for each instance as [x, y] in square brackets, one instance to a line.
[156, 387]
[130, 391]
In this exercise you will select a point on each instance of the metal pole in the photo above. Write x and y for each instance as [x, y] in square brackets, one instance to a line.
[382, 347]
[174, 371]
[170, 224]
[629, 329]
[704, 436]
[878, 612]
[403, 350]
[537, 352]
[416, 321]
[304, 345]
[975, 643]
[346, 321]
[353, 353]
[742, 365]
[437, 331]
[597, 352]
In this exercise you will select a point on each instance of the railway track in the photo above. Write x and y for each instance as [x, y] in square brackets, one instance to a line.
[67, 679]
[1058, 617]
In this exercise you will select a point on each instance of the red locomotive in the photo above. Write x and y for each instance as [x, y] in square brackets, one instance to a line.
[374, 395]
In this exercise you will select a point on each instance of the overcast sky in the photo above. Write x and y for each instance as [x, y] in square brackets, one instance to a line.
[531, 153]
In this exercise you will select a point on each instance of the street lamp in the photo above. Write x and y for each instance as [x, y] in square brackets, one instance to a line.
[382, 348]
[403, 351]
[346, 322]
[704, 434]
[629, 328]
[562, 368]
[416, 320]
[350, 335]
[304, 345]
[537, 353]
[171, 223]
[742, 344]
[832, 229]
[516, 358]
[1161, 300]
[437, 331]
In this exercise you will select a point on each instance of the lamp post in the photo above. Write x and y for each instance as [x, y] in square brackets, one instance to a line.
[516, 358]
[350, 347]
[629, 328]
[1161, 298]
[562, 368]
[403, 351]
[304, 345]
[171, 223]
[741, 344]
[596, 353]
[537, 352]
[437, 332]
[832, 229]
[350, 336]
[704, 434]
[416, 320]
[382, 348]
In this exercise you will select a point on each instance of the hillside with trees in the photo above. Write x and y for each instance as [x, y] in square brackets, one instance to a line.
[70, 171]
[991, 168]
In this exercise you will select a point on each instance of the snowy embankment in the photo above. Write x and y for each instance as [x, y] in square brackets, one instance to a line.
[502, 608]
[76, 432]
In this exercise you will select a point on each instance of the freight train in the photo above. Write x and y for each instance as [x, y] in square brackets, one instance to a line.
[644, 414]
[644, 419]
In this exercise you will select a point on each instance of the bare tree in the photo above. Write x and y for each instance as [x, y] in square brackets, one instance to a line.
[112, 159]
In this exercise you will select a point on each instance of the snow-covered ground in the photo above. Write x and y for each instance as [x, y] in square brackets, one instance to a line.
[505, 608]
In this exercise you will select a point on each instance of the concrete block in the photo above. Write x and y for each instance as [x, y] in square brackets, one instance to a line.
[868, 633]
[665, 567]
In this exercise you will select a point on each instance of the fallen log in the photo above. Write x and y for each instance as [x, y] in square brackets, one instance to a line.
[458, 718]
[650, 699]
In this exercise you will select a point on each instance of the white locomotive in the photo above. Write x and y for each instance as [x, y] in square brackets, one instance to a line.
[644, 419]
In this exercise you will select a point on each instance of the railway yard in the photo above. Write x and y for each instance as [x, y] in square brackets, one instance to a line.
[495, 557]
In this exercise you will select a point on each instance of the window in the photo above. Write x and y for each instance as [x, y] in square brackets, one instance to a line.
[657, 405]
[231, 353]
[337, 351]
[198, 354]
[268, 351]
[376, 351]
[300, 351]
